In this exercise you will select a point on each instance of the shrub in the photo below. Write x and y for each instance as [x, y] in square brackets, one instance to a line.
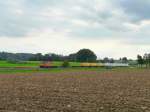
[65, 64]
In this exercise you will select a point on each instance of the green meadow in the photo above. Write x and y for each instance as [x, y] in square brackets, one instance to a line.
[7, 64]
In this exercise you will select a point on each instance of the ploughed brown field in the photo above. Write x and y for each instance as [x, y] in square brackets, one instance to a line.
[85, 91]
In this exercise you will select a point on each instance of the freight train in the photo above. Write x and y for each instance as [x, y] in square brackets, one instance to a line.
[51, 65]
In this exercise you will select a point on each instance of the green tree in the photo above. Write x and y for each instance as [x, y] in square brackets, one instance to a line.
[124, 60]
[72, 57]
[65, 64]
[86, 55]
[111, 60]
[146, 59]
[140, 60]
[106, 60]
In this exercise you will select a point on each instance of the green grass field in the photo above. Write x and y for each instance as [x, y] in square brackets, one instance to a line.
[32, 64]
[50, 70]
[33, 67]
[26, 64]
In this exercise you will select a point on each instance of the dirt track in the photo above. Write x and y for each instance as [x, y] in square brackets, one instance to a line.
[126, 91]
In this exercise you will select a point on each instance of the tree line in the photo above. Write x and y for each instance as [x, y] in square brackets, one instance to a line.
[83, 55]
[144, 61]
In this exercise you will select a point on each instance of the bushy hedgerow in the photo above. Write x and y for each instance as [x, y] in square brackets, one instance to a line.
[65, 64]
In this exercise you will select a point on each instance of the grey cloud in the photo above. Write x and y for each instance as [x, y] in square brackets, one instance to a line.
[109, 24]
[13, 25]
[137, 10]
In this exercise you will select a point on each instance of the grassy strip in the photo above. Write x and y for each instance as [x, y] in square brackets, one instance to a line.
[33, 64]
[25, 64]
[61, 70]
[50, 70]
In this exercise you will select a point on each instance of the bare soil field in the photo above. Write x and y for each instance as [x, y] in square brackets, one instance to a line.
[85, 91]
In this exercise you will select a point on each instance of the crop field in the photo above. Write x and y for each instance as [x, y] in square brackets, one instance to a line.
[119, 90]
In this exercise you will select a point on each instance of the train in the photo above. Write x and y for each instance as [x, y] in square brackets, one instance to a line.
[51, 65]
[104, 65]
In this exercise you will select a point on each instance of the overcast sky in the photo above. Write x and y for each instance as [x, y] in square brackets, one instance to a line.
[113, 28]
